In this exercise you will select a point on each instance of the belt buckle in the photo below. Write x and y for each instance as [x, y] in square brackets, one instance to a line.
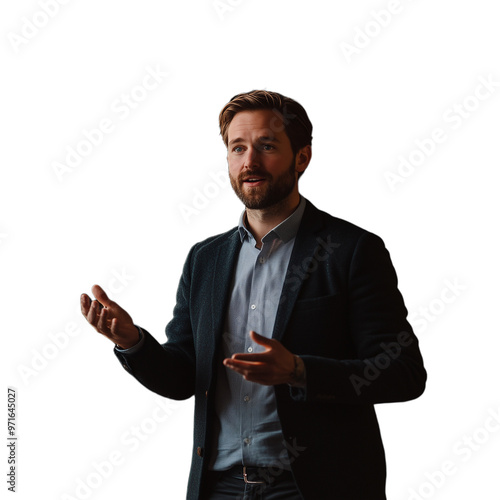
[245, 477]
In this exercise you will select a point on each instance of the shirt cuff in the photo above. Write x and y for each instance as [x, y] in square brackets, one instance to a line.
[135, 347]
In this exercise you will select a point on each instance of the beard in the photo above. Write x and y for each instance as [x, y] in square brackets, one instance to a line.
[272, 193]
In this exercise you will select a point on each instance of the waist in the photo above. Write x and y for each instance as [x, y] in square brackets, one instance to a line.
[251, 474]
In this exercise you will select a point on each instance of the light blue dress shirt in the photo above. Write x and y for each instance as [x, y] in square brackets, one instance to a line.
[248, 429]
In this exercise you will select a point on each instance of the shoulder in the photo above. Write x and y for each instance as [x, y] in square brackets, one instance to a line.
[213, 244]
[348, 244]
[341, 229]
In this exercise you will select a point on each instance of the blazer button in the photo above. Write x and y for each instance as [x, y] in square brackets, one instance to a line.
[206, 394]
[199, 451]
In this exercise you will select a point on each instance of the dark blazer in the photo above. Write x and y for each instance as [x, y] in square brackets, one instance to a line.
[341, 311]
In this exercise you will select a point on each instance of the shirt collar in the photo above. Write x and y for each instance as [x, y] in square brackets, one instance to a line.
[285, 230]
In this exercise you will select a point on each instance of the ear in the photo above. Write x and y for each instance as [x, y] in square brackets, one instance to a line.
[302, 159]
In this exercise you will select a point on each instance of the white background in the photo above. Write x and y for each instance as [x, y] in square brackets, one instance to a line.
[119, 212]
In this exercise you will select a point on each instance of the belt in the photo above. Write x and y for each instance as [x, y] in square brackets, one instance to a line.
[258, 475]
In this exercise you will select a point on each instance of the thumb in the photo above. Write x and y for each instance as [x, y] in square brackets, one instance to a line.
[101, 296]
[259, 339]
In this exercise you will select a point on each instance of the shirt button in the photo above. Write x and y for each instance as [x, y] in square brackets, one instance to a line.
[253, 306]
[250, 349]
[247, 440]
[262, 260]
[246, 399]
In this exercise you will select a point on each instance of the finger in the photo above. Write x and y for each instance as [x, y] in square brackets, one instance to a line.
[259, 339]
[92, 315]
[258, 356]
[102, 324]
[238, 369]
[114, 327]
[101, 296]
[85, 303]
[246, 365]
[261, 376]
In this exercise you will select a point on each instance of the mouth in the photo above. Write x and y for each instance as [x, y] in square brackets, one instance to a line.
[254, 181]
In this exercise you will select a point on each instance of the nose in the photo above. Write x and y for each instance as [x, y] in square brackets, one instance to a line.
[251, 158]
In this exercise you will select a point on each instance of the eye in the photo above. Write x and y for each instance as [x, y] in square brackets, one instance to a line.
[237, 149]
[267, 147]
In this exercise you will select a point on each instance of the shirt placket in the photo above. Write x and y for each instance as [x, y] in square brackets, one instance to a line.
[256, 322]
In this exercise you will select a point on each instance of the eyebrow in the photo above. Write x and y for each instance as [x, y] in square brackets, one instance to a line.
[264, 138]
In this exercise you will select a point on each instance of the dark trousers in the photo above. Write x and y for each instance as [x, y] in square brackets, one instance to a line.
[263, 484]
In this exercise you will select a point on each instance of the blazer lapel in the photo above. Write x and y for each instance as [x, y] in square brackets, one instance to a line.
[306, 243]
[222, 274]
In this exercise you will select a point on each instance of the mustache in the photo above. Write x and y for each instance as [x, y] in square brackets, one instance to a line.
[253, 173]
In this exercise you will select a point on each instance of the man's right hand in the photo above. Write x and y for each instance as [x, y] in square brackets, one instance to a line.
[108, 318]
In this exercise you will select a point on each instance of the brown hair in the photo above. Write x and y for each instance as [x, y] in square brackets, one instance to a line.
[296, 123]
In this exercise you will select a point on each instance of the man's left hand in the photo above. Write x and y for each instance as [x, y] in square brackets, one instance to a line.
[274, 366]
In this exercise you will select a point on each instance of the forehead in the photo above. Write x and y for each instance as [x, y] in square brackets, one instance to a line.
[262, 122]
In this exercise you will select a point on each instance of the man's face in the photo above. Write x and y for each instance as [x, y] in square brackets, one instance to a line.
[260, 159]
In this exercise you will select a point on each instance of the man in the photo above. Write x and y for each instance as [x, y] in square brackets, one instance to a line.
[287, 330]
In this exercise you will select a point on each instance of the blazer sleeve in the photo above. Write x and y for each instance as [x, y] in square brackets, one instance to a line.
[388, 365]
[168, 369]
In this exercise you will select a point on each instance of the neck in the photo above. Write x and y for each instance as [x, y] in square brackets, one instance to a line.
[260, 221]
